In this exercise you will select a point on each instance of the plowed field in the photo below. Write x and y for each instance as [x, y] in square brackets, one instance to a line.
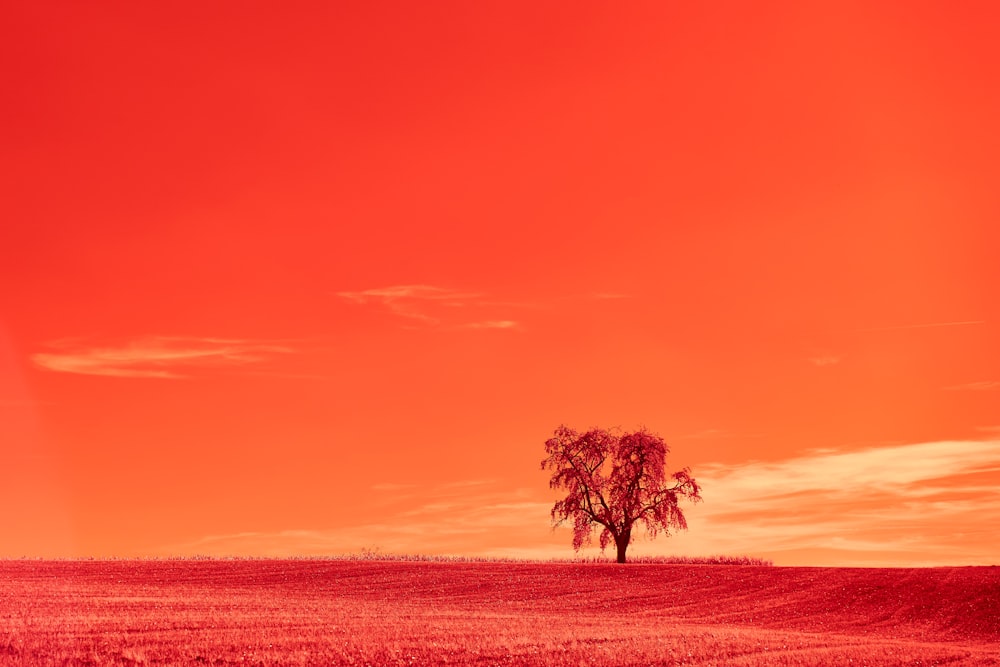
[326, 612]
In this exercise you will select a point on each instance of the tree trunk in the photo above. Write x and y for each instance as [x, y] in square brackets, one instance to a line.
[622, 543]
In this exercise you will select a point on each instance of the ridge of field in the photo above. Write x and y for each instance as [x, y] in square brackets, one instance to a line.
[311, 612]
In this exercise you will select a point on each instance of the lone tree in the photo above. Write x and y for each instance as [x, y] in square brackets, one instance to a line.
[615, 481]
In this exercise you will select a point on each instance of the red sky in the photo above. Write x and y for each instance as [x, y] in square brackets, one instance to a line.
[313, 278]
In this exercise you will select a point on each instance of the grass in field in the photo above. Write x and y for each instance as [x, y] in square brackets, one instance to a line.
[372, 555]
[381, 612]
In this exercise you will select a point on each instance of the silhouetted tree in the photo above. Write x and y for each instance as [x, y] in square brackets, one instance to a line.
[615, 481]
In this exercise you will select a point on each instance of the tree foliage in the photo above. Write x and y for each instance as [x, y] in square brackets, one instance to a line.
[614, 481]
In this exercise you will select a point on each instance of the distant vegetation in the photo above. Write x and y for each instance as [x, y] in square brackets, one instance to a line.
[378, 556]
[652, 560]
[702, 560]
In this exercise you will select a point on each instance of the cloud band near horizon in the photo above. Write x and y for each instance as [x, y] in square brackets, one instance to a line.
[903, 505]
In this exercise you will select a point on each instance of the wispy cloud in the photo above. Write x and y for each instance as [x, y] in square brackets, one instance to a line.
[432, 306]
[409, 292]
[155, 357]
[406, 300]
[988, 385]
[492, 324]
[825, 360]
[925, 325]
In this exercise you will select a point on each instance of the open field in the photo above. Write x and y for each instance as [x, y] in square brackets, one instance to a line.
[319, 612]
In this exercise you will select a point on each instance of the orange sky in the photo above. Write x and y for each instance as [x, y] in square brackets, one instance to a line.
[313, 278]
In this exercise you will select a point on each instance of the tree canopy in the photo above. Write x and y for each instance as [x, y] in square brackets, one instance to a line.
[613, 481]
